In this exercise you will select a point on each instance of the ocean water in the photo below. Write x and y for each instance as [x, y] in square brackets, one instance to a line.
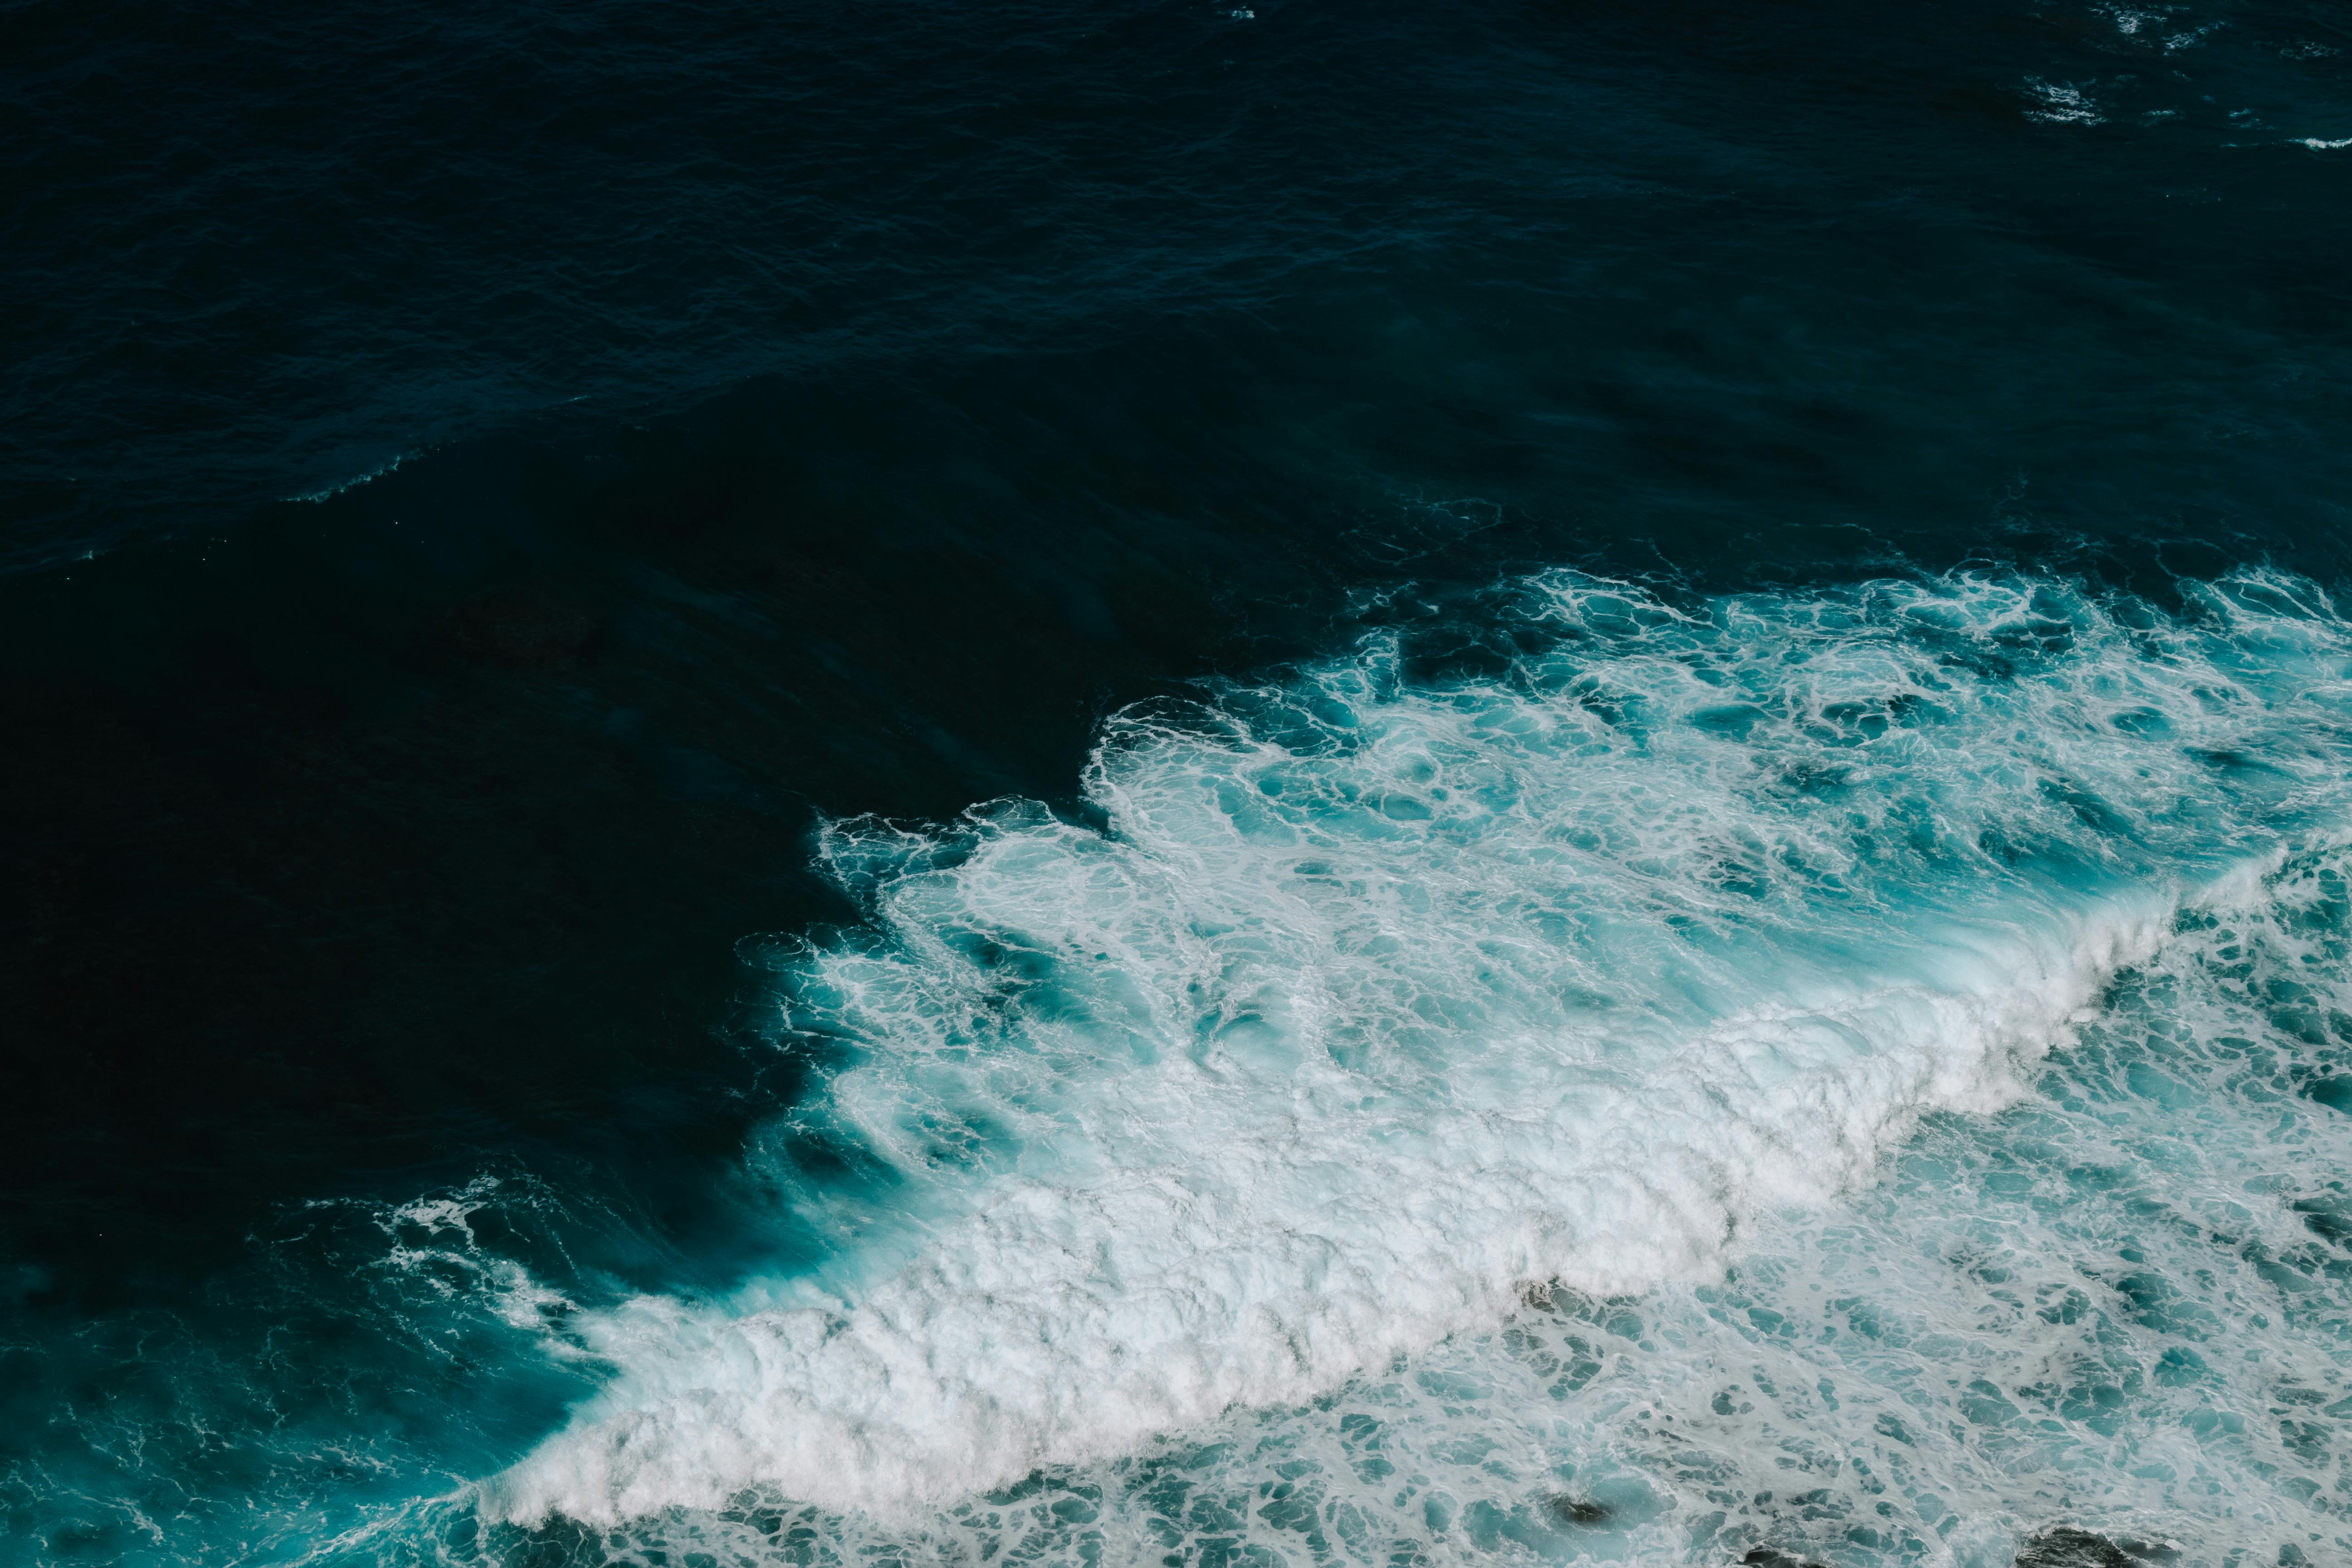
[1176, 785]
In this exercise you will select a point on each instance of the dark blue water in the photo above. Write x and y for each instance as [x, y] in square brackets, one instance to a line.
[1175, 784]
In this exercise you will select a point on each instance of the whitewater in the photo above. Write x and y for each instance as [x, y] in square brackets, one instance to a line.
[1405, 1087]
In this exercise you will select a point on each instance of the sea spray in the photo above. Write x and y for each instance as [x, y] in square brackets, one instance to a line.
[1375, 1003]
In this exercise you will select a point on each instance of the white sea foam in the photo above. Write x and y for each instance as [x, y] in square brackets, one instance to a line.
[1377, 1003]
[327, 493]
[2061, 103]
[432, 1242]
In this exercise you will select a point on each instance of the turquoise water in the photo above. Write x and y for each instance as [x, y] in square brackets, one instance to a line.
[1855, 1072]
[1138, 784]
[1865, 1072]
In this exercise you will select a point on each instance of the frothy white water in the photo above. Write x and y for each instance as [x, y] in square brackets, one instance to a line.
[1375, 1004]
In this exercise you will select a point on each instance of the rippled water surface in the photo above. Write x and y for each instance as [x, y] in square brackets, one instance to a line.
[1179, 784]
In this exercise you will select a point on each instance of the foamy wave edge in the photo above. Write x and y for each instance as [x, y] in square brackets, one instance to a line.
[955, 1377]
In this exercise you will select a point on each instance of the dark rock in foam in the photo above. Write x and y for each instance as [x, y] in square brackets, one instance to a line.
[2066, 1547]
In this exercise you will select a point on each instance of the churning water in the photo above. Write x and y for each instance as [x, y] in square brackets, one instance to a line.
[1185, 786]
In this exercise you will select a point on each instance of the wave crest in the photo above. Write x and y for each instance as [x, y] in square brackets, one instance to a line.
[1382, 995]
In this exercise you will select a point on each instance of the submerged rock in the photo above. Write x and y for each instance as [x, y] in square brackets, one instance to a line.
[2066, 1547]
[1768, 1557]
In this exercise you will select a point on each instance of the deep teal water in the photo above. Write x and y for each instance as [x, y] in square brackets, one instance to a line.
[1191, 784]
